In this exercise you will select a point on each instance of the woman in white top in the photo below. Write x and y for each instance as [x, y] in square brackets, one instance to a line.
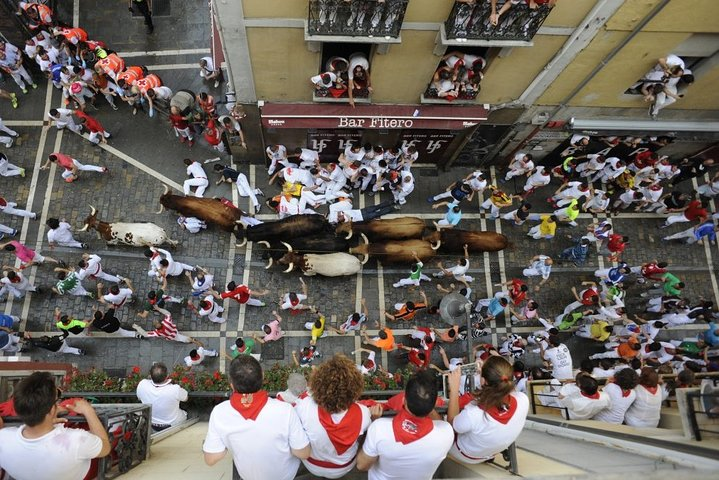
[647, 406]
[332, 418]
[621, 392]
[493, 420]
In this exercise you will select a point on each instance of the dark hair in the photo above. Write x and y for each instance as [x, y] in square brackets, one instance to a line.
[231, 286]
[158, 372]
[587, 365]
[606, 363]
[649, 377]
[204, 305]
[655, 346]
[410, 305]
[193, 353]
[553, 340]
[34, 398]
[11, 275]
[626, 378]
[318, 323]
[421, 393]
[382, 334]
[553, 331]
[497, 374]
[240, 342]
[587, 384]
[451, 333]
[151, 294]
[686, 377]
[65, 319]
[635, 363]
[245, 374]
[97, 315]
[115, 289]
[147, 253]
[164, 262]
[53, 223]
[266, 328]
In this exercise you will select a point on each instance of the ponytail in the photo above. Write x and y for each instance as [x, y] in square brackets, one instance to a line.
[498, 383]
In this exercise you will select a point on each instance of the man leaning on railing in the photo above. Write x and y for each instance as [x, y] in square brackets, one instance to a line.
[42, 448]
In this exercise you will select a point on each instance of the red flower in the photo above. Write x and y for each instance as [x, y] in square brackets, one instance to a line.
[217, 376]
[185, 380]
[135, 369]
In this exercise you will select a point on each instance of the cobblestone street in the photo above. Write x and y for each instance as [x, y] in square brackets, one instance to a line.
[144, 154]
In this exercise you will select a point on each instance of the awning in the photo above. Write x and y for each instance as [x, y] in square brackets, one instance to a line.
[597, 126]
[434, 117]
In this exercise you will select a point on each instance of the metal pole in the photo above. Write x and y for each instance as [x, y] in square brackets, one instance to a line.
[468, 312]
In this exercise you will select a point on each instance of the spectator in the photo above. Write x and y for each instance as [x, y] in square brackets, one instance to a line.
[208, 71]
[582, 399]
[645, 411]
[164, 396]
[360, 82]
[559, 356]
[252, 426]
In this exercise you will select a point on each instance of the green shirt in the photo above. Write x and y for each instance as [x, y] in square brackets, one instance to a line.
[249, 345]
[571, 213]
[569, 320]
[159, 294]
[75, 326]
[68, 284]
[690, 348]
[670, 282]
[416, 271]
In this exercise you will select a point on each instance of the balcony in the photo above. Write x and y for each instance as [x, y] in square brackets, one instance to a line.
[332, 20]
[469, 24]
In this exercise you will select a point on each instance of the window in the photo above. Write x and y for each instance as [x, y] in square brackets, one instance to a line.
[333, 80]
[459, 74]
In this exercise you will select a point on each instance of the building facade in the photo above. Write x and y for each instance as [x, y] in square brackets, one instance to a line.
[549, 69]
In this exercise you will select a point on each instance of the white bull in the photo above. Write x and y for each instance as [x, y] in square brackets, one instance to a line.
[134, 234]
[327, 264]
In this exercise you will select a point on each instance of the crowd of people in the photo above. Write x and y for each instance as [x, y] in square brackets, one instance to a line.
[320, 423]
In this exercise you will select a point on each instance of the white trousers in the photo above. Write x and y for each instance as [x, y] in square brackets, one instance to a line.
[680, 218]
[200, 183]
[687, 234]
[7, 169]
[184, 132]
[65, 348]
[11, 210]
[94, 137]
[19, 74]
[82, 168]
[493, 209]
[409, 281]
[244, 189]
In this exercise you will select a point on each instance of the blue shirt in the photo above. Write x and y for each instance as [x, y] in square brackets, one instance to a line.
[706, 230]
[451, 217]
[615, 275]
[710, 335]
[6, 321]
[495, 307]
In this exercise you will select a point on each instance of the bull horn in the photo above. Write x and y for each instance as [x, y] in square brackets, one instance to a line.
[290, 268]
[162, 209]
[264, 243]
[242, 244]
[364, 238]
[84, 229]
[365, 259]
[93, 210]
[269, 264]
[438, 244]
[167, 189]
[349, 234]
[287, 245]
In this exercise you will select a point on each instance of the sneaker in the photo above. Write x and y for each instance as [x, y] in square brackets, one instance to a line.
[80, 351]
[13, 100]
[62, 264]
[644, 294]
[34, 86]
[14, 232]
[24, 90]
[430, 199]
[114, 107]
[105, 170]
[91, 295]
[84, 246]
[2, 235]
[663, 225]
[258, 208]
[134, 111]
[259, 192]
[9, 144]
[22, 172]
[217, 83]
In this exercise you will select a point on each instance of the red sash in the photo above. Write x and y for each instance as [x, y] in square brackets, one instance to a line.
[408, 428]
[503, 416]
[593, 397]
[249, 405]
[345, 433]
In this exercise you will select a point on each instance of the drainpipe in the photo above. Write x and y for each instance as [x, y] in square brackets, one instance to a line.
[228, 64]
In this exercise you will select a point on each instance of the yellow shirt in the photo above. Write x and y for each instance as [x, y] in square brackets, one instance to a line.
[317, 332]
[598, 332]
[547, 228]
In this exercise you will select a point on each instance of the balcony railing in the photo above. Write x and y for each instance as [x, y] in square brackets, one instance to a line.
[466, 93]
[519, 23]
[358, 18]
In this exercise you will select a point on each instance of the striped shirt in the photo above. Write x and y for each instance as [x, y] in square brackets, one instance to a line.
[167, 329]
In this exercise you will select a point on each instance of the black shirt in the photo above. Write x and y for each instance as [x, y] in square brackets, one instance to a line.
[674, 201]
[108, 323]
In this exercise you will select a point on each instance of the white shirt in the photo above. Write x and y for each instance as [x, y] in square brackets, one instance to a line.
[162, 93]
[366, 371]
[280, 154]
[93, 267]
[61, 234]
[541, 266]
[322, 448]
[354, 156]
[61, 454]
[580, 407]
[481, 436]
[200, 357]
[260, 448]
[196, 170]
[598, 372]
[165, 400]
[538, 178]
[198, 287]
[416, 460]
[646, 409]
[561, 361]
[298, 175]
[477, 183]
[618, 404]
[119, 299]
[573, 191]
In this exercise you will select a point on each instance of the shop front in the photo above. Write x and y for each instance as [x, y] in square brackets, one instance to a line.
[438, 132]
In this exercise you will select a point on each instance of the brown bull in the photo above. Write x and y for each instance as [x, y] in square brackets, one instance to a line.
[402, 228]
[211, 210]
[399, 251]
[453, 241]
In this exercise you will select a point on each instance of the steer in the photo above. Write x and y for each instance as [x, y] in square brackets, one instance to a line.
[328, 265]
[134, 234]
[322, 243]
[211, 210]
[402, 228]
[399, 251]
[453, 241]
[294, 226]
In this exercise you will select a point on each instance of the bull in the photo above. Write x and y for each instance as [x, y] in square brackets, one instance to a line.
[322, 243]
[134, 234]
[402, 228]
[395, 252]
[211, 210]
[453, 241]
[328, 264]
[294, 226]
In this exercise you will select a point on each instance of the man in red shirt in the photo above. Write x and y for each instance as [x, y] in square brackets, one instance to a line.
[181, 126]
[241, 294]
[97, 132]
[72, 167]
[213, 136]
[652, 270]
[517, 290]
[694, 211]
[615, 246]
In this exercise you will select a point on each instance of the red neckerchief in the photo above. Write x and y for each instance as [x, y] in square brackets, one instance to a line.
[408, 428]
[626, 393]
[593, 397]
[652, 390]
[345, 433]
[249, 405]
[504, 415]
